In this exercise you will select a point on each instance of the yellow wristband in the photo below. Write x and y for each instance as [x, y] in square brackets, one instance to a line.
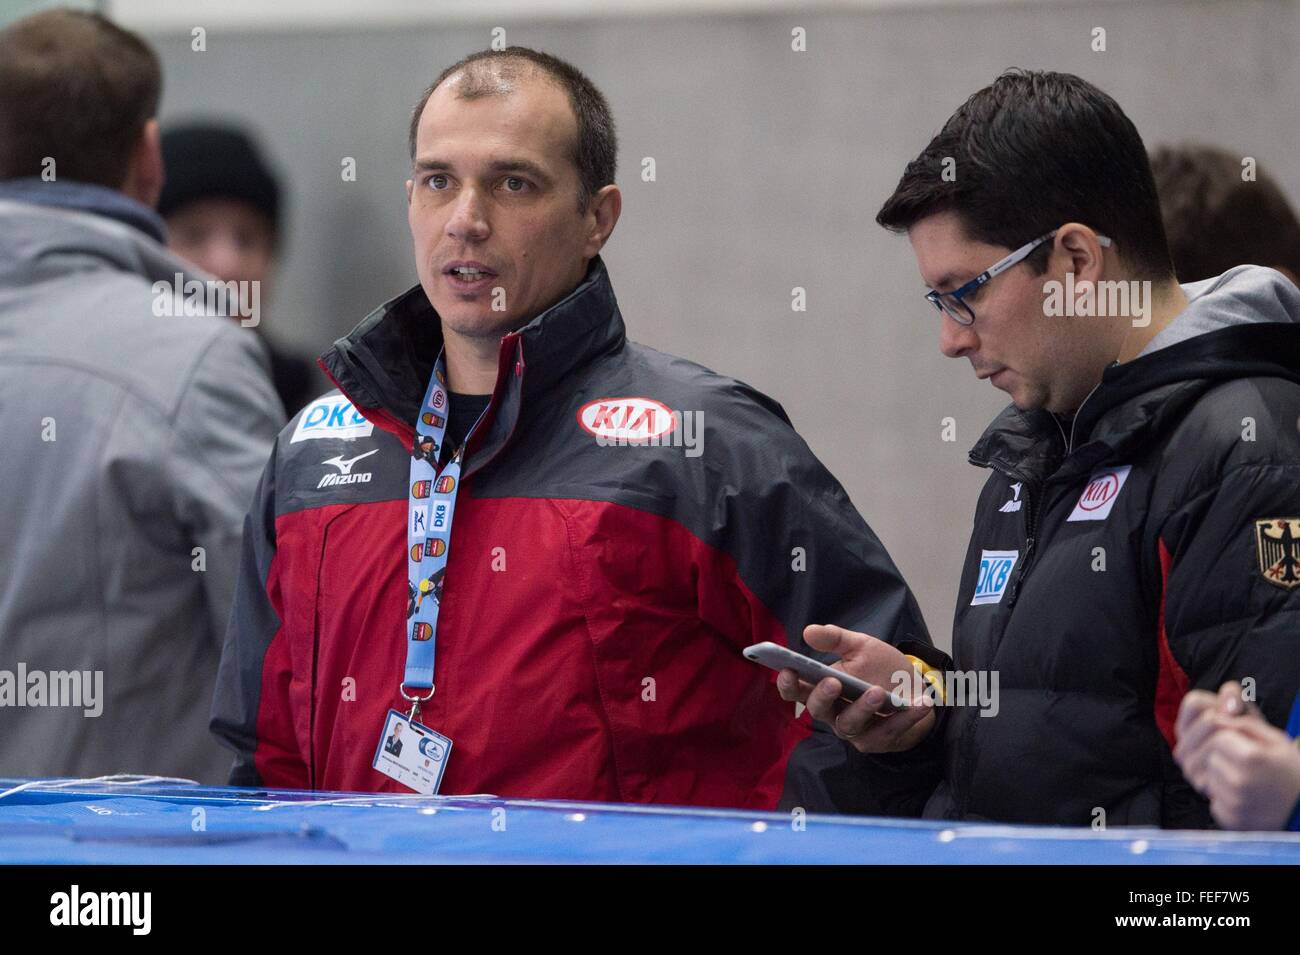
[931, 675]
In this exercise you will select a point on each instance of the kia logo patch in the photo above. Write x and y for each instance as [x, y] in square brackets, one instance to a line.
[1099, 494]
[626, 419]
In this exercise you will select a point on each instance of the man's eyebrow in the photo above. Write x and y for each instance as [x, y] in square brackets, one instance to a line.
[520, 165]
[526, 166]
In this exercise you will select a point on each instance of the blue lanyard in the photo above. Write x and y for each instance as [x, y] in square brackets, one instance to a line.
[431, 504]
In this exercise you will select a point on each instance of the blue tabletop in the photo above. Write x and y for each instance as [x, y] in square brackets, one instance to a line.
[150, 821]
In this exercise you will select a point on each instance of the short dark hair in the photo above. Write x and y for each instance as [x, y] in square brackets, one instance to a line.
[1033, 151]
[595, 149]
[1216, 220]
[76, 88]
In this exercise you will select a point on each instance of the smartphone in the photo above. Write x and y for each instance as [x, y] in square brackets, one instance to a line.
[814, 671]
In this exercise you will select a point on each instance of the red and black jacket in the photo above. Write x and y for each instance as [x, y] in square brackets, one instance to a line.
[597, 597]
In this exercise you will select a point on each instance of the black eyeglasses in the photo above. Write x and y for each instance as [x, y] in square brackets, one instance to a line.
[952, 304]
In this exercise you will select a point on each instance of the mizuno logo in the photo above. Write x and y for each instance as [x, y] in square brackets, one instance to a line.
[1014, 504]
[345, 467]
[345, 475]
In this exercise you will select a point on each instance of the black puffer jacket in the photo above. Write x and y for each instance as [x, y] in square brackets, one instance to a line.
[1153, 550]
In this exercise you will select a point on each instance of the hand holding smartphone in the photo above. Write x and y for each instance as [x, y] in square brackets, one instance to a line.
[812, 671]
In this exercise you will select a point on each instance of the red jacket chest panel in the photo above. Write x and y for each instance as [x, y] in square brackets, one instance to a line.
[576, 657]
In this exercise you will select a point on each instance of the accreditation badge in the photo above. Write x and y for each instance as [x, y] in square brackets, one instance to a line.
[412, 754]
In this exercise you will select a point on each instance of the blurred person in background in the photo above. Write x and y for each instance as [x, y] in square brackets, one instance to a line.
[222, 205]
[134, 437]
[1220, 212]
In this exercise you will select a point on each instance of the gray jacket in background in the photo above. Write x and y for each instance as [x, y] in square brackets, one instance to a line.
[160, 428]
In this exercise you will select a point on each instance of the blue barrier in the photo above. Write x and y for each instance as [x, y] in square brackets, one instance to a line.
[135, 821]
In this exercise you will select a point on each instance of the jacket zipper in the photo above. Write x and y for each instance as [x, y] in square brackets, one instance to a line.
[1034, 512]
[1032, 525]
[966, 741]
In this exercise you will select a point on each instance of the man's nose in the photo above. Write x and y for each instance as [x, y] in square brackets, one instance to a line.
[955, 339]
[468, 221]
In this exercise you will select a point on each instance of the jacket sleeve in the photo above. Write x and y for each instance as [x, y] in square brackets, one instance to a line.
[857, 586]
[900, 784]
[804, 551]
[250, 709]
[225, 426]
[1230, 594]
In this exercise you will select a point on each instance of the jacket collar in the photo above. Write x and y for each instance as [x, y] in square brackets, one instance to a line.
[384, 364]
[86, 197]
[1026, 445]
[1135, 402]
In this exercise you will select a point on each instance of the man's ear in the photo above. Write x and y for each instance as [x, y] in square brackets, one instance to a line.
[603, 210]
[1075, 248]
[145, 174]
[410, 187]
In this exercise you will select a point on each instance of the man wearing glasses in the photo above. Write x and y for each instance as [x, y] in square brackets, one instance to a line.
[1139, 534]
